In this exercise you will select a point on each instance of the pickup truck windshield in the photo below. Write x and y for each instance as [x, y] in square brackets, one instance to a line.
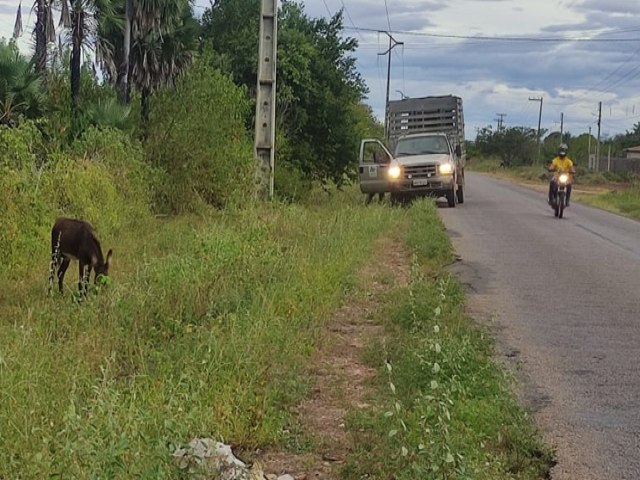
[421, 146]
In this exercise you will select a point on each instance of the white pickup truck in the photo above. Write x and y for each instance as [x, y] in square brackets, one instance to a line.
[423, 164]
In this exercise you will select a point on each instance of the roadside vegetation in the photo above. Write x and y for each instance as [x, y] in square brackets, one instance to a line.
[445, 409]
[215, 302]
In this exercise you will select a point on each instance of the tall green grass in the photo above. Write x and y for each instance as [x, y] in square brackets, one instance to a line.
[203, 331]
[445, 409]
[625, 202]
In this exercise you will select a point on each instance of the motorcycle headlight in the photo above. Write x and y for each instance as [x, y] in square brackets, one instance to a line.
[446, 169]
[564, 178]
[394, 172]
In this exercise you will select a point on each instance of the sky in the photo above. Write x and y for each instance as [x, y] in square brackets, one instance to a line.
[511, 53]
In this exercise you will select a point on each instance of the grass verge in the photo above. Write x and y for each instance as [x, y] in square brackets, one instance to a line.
[203, 331]
[445, 409]
[623, 202]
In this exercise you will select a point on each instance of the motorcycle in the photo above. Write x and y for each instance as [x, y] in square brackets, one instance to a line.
[559, 194]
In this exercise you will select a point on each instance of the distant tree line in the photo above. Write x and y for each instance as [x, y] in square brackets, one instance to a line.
[516, 146]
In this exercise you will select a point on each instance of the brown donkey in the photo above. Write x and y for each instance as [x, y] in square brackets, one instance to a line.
[76, 239]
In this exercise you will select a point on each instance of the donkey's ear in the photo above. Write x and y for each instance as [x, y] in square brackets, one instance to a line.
[109, 255]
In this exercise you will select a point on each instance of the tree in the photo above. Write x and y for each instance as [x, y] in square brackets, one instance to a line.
[514, 145]
[21, 91]
[88, 20]
[318, 84]
[627, 140]
[231, 28]
[159, 56]
[162, 38]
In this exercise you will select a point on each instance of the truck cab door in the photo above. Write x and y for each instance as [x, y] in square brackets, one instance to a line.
[373, 165]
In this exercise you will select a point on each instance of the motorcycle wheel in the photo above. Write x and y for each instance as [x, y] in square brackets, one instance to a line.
[561, 205]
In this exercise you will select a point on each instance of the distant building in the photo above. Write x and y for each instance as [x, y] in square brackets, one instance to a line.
[633, 153]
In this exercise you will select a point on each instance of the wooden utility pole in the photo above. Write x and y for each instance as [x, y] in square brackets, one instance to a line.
[541, 99]
[265, 128]
[386, 103]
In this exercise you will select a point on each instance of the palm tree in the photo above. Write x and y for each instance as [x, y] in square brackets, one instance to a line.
[163, 35]
[44, 29]
[21, 91]
[108, 113]
[123, 73]
[89, 18]
[160, 55]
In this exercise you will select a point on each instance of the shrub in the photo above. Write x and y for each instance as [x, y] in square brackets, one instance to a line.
[197, 136]
[101, 179]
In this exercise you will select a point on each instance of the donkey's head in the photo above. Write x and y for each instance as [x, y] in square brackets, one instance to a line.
[102, 268]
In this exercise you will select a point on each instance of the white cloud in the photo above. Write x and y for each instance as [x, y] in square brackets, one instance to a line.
[499, 77]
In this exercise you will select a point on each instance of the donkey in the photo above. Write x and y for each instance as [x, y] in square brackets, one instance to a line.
[76, 239]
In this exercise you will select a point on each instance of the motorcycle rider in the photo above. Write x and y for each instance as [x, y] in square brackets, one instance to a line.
[561, 164]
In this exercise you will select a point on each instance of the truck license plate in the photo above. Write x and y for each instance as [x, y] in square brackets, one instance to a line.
[421, 182]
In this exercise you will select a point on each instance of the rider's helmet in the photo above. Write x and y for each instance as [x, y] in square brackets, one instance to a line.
[562, 150]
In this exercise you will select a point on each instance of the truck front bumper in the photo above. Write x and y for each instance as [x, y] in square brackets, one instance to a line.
[435, 185]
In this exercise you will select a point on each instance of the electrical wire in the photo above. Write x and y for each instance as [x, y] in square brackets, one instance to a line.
[503, 39]
[346, 10]
[388, 18]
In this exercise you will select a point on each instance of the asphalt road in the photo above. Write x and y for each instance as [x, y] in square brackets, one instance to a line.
[563, 297]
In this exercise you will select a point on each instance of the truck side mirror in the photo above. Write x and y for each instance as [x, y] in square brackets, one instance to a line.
[458, 151]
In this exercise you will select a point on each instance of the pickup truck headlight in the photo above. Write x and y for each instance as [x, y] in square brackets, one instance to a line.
[446, 169]
[395, 171]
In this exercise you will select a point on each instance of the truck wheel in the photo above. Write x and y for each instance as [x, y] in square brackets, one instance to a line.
[451, 197]
[460, 194]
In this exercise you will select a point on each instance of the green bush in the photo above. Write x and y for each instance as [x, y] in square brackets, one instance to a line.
[197, 136]
[101, 179]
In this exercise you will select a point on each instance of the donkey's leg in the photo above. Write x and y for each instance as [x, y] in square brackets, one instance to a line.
[56, 258]
[82, 267]
[53, 266]
[62, 269]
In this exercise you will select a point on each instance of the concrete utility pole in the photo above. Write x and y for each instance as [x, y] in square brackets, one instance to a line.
[386, 103]
[500, 120]
[598, 144]
[561, 125]
[541, 99]
[589, 157]
[265, 128]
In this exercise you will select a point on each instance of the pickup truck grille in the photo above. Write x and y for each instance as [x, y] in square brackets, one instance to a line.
[419, 171]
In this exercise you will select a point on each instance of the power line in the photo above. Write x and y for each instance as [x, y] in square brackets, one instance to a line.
[502, 39]
[611, 74]
[346, 10]
[327, 7]
[386, 7]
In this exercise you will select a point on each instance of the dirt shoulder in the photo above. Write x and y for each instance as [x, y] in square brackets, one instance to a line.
[338, 374]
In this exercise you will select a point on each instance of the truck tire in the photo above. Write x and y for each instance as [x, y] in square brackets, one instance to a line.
[451, 197]
[460, 194]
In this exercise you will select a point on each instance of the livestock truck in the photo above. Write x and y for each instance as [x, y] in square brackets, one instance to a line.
[426, 136]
